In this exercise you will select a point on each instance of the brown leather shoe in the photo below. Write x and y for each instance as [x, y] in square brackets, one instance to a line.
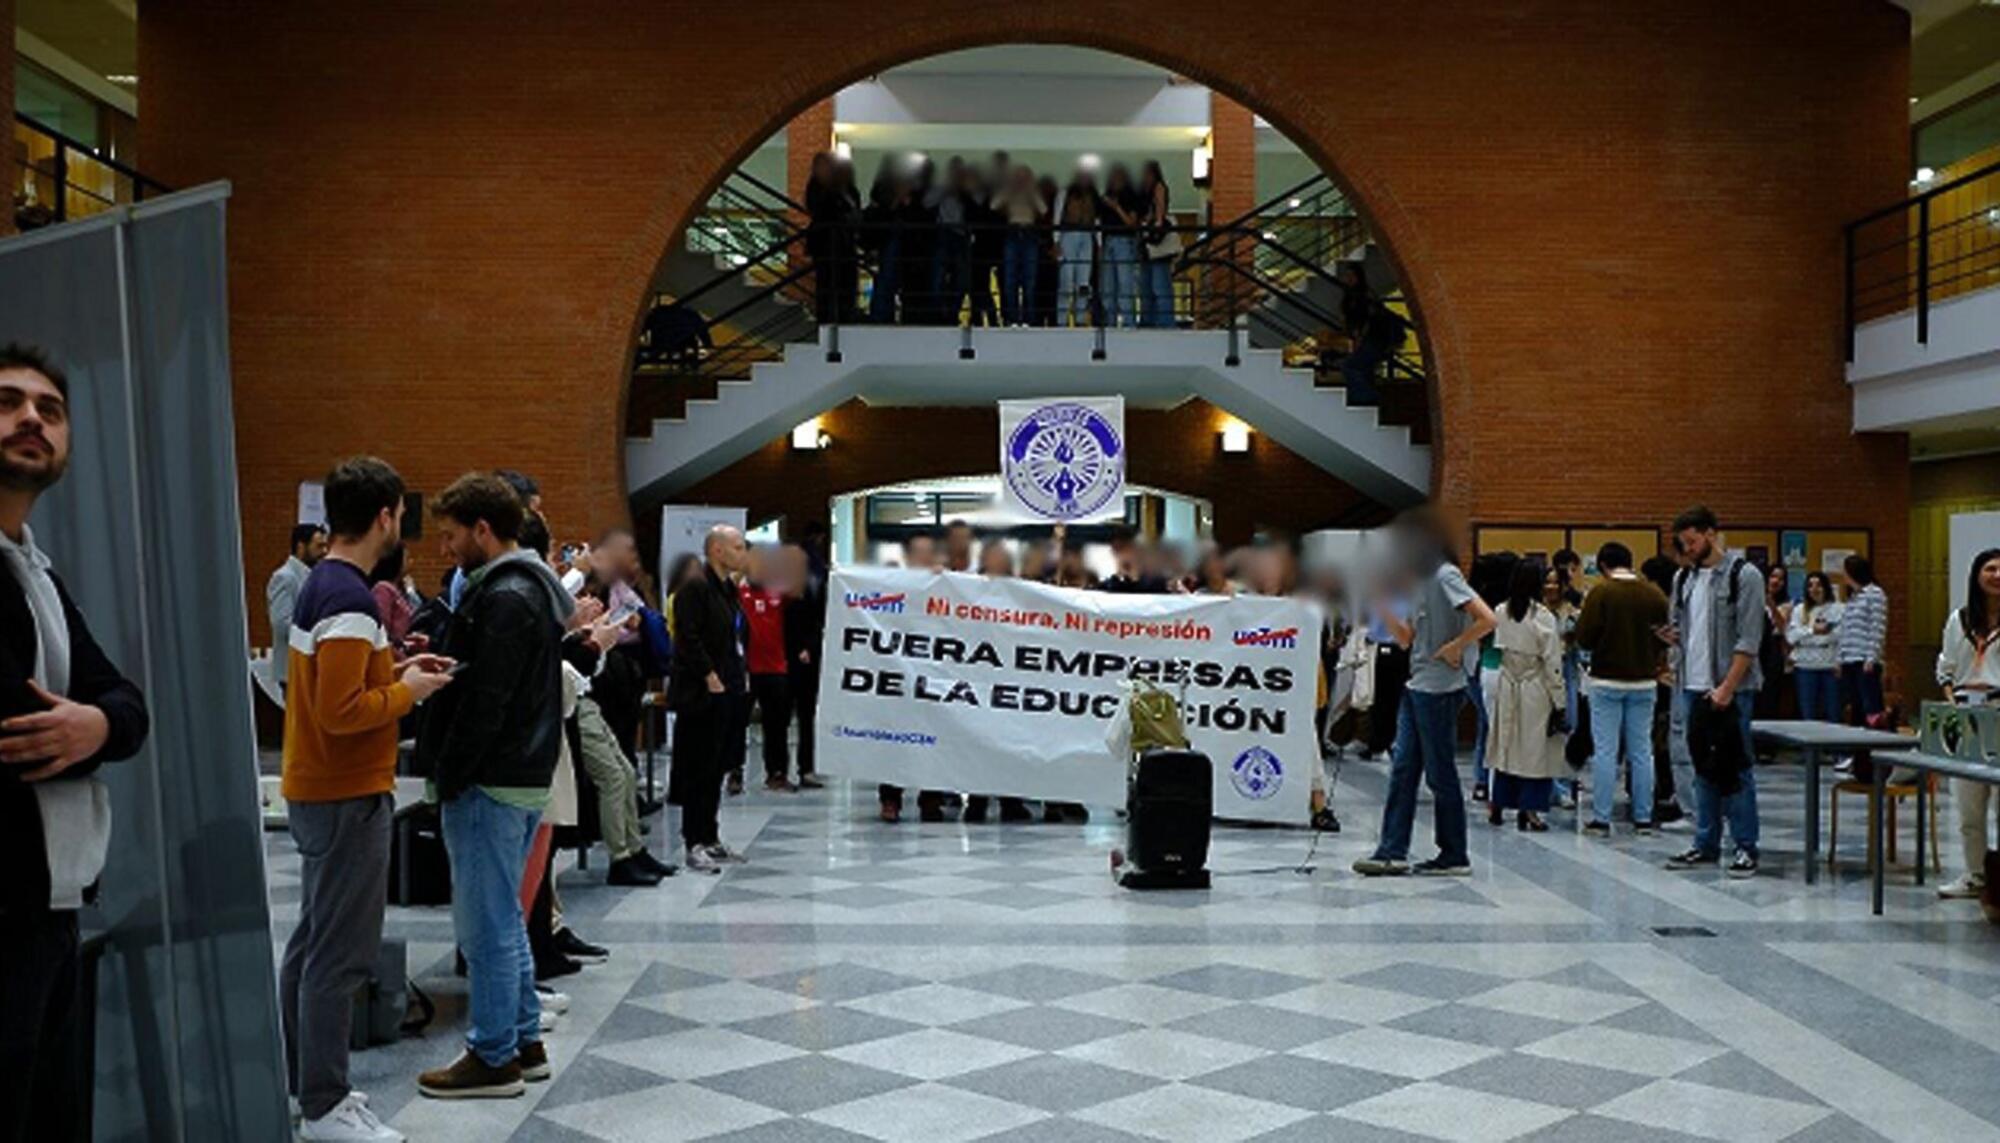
[534, 1061]
[472, 1078]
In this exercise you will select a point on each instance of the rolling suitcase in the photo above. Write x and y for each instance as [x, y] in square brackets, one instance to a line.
[1169, 800]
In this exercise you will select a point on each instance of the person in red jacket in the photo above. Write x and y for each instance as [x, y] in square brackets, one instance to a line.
[763, 598]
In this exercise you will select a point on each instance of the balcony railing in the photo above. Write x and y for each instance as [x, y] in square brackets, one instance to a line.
[1923, 250]
[62, 178]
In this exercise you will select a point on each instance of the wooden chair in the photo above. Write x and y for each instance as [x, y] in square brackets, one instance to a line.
[1894, 792]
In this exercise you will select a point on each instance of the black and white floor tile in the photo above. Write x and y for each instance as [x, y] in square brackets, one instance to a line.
[938, 983]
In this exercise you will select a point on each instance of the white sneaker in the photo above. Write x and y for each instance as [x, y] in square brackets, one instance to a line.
[1967, 886]
[699, 860]
[350, 1121]
[725, 856]
[548, 1021]
[553, 1001]
[298, 1112]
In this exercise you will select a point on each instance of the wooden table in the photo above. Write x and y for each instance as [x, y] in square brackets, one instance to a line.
[1814, 739]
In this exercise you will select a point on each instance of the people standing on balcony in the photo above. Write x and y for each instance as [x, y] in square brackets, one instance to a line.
[1021, 209]
[951, 257]
[882, 235]
[918, 216]
[1076, 242]
[987, 240]
[1864, 623]
[1163, 245]
[834, 208]
[1968, 669]
[1119, 210]
[1813, 633]
[1049, 257]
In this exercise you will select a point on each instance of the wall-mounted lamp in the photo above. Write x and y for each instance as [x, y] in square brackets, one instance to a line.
[1235, 436]
[843, 150]
[809, 437]
[1203, 156]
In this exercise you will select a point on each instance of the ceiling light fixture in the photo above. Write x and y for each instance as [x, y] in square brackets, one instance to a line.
[124, 80]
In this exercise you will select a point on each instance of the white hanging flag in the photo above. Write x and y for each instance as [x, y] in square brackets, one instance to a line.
[1063, 459]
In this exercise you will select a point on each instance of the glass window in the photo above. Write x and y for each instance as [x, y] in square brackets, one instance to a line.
[49, 101]
[1958, 134]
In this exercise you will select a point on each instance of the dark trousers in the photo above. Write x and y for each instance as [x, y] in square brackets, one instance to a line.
[805, 708]
[1861, 690]
[1392, 671]
[696, 781]
[774, 708]
[41, 1080]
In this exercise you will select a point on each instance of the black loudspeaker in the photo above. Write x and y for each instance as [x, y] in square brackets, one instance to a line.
[1169, 800]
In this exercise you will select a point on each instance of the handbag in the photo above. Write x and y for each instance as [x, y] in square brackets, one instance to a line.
[1169, 246]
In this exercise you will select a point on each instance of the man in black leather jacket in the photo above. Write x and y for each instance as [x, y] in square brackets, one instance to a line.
[489, 743]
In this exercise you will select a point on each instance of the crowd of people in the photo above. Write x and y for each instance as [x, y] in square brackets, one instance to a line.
[522, 680]
[1077, 252]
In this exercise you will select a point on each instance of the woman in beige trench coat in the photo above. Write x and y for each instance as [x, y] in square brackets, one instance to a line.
[1526, 758]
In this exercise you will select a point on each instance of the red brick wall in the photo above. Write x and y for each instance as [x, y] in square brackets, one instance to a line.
[1174, 450]
[807, 135]
[1620, 225]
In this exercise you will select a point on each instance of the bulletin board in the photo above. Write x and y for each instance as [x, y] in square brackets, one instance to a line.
[1763, 544]
[1526, 540]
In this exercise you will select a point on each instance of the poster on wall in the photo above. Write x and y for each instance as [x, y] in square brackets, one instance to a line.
[312, 502]
[1063, 459]
[1833, 561]
[1792, 550]
[683, 527]
[946, 681]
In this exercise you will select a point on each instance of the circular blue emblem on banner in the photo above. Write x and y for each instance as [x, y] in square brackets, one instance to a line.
[1257, 774]
[1065, 461]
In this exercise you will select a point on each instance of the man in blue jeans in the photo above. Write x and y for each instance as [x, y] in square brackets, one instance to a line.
[490, 751]
[1717, 628]
[1620, 629]
[1446, 624]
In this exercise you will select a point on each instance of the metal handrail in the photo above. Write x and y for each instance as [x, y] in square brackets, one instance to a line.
[64, 147]
[1918, 280]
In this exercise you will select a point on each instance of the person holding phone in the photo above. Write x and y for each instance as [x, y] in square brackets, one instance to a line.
[1716, 626]
[347, 697]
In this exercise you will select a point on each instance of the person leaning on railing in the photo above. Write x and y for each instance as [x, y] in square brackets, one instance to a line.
[1968, 669]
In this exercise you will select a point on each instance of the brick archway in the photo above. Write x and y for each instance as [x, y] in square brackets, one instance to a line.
[1300, 113]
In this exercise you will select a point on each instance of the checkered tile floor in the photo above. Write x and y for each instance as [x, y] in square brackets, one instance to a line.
[936, 983]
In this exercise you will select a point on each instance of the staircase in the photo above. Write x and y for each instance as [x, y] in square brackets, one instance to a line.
[1255, 299]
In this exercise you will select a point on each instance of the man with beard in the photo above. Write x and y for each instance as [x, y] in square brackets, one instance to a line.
[339, 775]
[489, 746]
[281, 591]
[64, 710]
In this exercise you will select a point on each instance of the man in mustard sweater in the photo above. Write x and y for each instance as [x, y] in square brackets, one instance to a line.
[345, 697]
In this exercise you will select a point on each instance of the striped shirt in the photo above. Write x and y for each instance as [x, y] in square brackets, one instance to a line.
[343, 702]
[1864, 624]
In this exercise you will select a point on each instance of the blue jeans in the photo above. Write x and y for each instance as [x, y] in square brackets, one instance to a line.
[1621, 720]
[1157, 282]
[1020, 257]
[1426, 742]
[487, 842]
[1739, 808]
[1357, 373]
[1819, 693]
[1119, 282]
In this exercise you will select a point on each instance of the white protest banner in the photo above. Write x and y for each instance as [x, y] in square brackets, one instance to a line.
[1063, 459]
[684, 527]
[947, 681]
